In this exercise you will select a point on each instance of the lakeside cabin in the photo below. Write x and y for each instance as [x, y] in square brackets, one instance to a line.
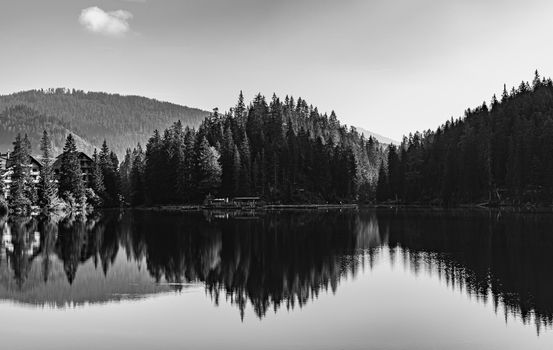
[7, 164]
[246, 202]
[86, 163]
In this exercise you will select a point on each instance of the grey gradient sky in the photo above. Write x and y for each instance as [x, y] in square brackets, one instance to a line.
[391, 66]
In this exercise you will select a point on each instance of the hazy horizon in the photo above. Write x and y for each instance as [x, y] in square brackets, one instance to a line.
[391, 67]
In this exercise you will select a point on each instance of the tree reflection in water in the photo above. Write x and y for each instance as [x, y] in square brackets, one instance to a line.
[276, 260]
[505, 257]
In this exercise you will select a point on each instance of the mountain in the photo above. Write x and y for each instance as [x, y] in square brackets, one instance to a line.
[23, 119]
[94, 116]
[378, 137]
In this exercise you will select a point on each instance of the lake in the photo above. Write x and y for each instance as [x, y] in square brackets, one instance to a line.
[353, 279]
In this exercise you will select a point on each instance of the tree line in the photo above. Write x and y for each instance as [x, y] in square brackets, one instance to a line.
[282, 151]
[496, 154]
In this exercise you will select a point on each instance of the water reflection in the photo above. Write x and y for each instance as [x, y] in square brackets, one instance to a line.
[505, 257]
[275, 260]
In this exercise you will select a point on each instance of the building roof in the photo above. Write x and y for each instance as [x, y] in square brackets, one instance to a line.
[10, 162]
[57, 162]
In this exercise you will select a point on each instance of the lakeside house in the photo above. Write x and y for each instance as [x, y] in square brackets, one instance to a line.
[7, 164]
[246, 202]
[6, 167]
[87, 167]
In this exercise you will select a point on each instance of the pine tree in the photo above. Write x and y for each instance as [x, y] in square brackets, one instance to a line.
[137, 177]
[109, 165]
[18, 197]
[209, 169]
[125, 174]
[227, 160]
[30, 188]
[97, 182]
[153, 168]
[245, 181]
[382, 191]
[47, 189]
[189, 166]
[71, 183]
[236, 166]
[536, 83]
[240, 111]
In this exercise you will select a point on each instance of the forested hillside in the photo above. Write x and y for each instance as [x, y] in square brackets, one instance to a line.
[122, 120]
[282, 150]
[25, 120]
[501, 154]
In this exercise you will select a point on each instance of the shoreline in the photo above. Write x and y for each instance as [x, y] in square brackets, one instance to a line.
[268, 207]
[537, 208]
[316, 207]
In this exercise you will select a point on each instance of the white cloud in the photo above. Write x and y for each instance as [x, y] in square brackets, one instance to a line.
[114, 23]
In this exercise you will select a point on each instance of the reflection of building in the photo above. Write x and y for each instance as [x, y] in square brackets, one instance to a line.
[6, 166]
[87, 167]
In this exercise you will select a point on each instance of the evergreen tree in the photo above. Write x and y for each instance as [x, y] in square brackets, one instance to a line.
[209, 169]
[152, 172]
[245, 167]
[20, 161]
[382, 190]
[137, 177]
[236, 166]
[47, 189]
[97, 182]
[109, 165]
[71, 181]
[125, 174]
[227, 160]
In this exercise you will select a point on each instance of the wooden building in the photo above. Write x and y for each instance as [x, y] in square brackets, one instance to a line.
[6, 166]
[246, 202]
[87, 167]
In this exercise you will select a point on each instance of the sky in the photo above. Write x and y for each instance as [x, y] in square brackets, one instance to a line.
[389, 66]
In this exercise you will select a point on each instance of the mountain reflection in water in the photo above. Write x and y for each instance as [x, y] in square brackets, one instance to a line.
[275, 260]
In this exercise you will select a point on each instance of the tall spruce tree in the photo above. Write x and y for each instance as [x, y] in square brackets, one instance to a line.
[71, 181]
[137, 177]
[109, 165]
[97, 182]
[209, 169]
[19, 194]
[47, 188]
[382, 190]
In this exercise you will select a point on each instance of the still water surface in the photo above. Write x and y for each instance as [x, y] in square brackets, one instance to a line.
[335, 280]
